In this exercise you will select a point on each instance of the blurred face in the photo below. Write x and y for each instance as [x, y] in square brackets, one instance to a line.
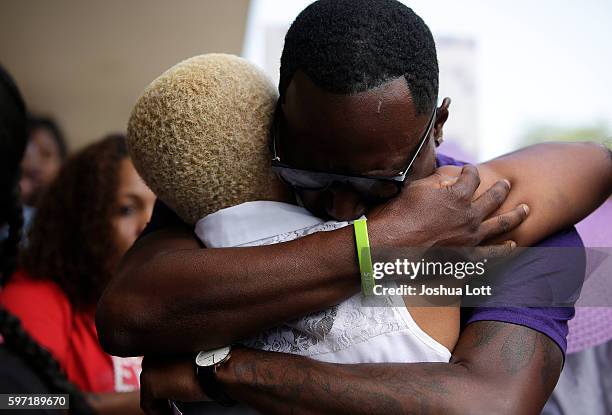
[134, 206]
[373, 133]
[40, 165]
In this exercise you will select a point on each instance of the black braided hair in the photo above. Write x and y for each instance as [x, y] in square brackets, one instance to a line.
[18, 341]
[13, 136]
[351, 46]
[15, 225]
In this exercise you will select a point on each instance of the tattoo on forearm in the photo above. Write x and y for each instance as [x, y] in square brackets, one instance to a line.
[303, 389]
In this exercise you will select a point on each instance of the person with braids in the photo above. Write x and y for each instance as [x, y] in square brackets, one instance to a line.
[13, 138]
[89, 216]
[25, 367]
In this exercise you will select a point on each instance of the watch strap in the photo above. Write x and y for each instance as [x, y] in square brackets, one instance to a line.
[208, 380]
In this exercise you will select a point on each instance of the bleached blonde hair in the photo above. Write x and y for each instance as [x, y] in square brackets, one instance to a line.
[199, 135]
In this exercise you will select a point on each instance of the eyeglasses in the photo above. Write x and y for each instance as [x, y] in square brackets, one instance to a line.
[369, 186]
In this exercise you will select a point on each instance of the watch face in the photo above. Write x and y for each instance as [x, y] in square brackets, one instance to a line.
[212, 357]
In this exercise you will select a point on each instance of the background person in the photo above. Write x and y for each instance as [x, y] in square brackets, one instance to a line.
[92, 213]
[45, 153]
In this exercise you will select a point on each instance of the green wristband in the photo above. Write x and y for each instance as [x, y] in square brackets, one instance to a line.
[364, 256]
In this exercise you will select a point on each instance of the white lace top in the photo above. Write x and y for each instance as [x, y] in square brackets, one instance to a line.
[358, 330]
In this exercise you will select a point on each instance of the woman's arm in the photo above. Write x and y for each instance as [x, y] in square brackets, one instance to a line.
[561, 183]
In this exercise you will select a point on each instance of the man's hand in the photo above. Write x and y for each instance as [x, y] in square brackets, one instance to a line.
[168, 378]
[438, 211]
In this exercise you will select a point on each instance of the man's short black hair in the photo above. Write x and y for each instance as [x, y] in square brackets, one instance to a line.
[350, 46]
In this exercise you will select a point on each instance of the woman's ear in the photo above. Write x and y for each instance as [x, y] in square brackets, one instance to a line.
[441, 117]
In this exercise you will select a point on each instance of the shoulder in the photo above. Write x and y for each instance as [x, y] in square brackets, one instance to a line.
[25, 292]
[566, 238]
[444, 160]
[43, 310]
[561, 254]
[556, 264]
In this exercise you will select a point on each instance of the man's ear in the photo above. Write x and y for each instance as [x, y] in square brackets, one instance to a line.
[441, 117]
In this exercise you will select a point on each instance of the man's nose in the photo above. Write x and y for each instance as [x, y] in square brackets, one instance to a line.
[344, 203]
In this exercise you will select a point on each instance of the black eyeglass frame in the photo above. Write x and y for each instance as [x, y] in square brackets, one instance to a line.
[278, 166]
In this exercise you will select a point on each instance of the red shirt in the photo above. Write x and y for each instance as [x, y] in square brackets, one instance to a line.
[69, 335]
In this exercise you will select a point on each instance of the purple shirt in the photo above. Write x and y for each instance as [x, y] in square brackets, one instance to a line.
[552, 321]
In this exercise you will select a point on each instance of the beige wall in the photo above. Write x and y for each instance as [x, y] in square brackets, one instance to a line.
[86, 62]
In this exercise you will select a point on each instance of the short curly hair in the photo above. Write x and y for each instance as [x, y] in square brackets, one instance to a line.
[350, 46]
[199, 135]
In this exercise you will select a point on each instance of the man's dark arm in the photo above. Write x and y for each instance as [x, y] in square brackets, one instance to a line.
[171, 296]
[496, 368]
